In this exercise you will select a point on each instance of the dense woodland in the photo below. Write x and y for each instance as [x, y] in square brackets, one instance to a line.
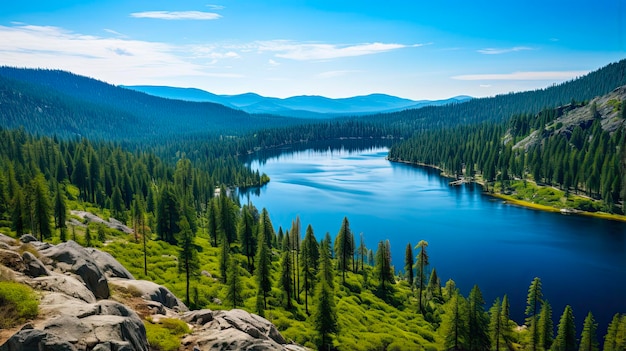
[333, 292]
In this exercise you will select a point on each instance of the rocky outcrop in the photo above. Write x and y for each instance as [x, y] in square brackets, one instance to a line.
[76, 314]
[153, 292]
[71, 257]
[233, 330]
[111, 223]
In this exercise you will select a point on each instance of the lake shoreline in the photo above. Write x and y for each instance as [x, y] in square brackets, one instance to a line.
[507, 199]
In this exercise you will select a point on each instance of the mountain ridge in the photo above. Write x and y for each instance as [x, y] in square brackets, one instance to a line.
[302, 106]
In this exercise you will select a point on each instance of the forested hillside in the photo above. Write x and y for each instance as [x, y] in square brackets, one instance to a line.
[578, 148]
[54, 102]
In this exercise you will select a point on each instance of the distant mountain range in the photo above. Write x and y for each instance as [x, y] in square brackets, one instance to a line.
[306, 106]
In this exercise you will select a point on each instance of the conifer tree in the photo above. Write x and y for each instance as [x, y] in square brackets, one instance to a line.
[309, 264]
[325, 314]
[420, 268]
[433, 290]
[18, 222]
[224, 257]
[87, 237]
[234, 283]
[60, 208]
[344, 249]
[478, 322]
[246, 231]
[566, 335]
[187, 254]
[453, 326]
[285, 275]
[101, 234]
[408, 264]
[384, 270]
[40, 207]
[495, 325]
[227, 222]
[294, 241]
[326, 255]
[212, 221]
[545, 326]
[263, 263]
[506, 325]
[615, 338]
[589, 336]
[362, 251]
[533, 302]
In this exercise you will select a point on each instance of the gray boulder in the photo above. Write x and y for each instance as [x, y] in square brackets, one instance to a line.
[36, 340]
[12, 259]
[62, 284]
[233, 330]
[34, 268]
[152, 291]
[7, 240]
[27, 238]
[109, 265]
[72, 257]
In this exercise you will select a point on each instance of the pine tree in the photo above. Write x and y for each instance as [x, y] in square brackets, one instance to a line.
[246, 231]
[545, 326]
[187, 254]
[384, 270]
[566, 335]
[589, 336]
[615, 338]
[453, 326]
[294, 241]
[344, 249]
[433, 290]
[309, 263]
[18, 205]
[478, 322]
[420, 267]
[408, 264]
[263, 262]
[212, 221]
[285, 275]
[533, 302]
[362, 251]
[325, 314]
[495, 325]
[40, 207]
[60, 208]
[224, 257]
[227, 222]
[234, 283]
[88, 237]
[326, 255]
[101, 233]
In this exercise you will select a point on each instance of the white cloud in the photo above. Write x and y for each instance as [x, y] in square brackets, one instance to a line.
[273, 63]
[215, 7]
[316, 51]
[177, 15]
[333, 74]
[541, 75]
[498, 51]
[116, 60]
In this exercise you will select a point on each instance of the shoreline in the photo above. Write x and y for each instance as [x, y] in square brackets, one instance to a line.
[517, 202]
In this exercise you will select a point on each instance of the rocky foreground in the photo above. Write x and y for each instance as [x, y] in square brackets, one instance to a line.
[89, 301]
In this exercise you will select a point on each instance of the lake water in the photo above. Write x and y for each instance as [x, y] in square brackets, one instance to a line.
[473, 238]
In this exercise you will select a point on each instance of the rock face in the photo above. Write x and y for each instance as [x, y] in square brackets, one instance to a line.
[153, 292]
[76, 314]
[72, 257]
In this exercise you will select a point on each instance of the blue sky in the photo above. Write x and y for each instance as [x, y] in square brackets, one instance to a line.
[412, 49]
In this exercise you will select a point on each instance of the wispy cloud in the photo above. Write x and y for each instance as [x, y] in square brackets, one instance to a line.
[273, 63]
[542, 75]
[215, 7]
[317, 51]
[499, 51]
[333, 74]
[119, 60]
[177, 15]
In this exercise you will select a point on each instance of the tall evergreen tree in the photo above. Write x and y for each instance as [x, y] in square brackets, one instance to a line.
[506, 325]
[478, 322]
[263, 262]
[566, 335]
[408, 264]
[212, 221]
[326, 255]
[60, 208]
[168, 216]
[533, 303]
[495, 325]
[227, 223]
[18, 210]
[285, 276]
[362, 251]
[344, 249]
[384, 270]
[433, 290]
[187, 254]
[40, 207]
[615, 338]
[420, 268]
[309, 264]
[294, 241]
[224, 257]
[88, 237]
[589, 336]
[453, 326]
[325, 314]
[545, 326]
[247, 239]
[234, 287]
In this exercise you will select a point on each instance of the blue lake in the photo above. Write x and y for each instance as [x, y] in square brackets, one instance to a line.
[473, 238]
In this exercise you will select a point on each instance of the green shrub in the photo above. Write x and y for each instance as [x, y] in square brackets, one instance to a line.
[18, 303]
[166, 335]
